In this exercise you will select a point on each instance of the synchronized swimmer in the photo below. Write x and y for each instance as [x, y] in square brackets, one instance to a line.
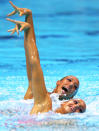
[67, 87]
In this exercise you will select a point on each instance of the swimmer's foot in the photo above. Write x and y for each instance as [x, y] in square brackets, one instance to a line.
[20, 11]
[28, 94]
[19, 26]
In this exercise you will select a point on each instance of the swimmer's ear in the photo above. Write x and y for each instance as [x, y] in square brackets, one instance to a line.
[58, 82]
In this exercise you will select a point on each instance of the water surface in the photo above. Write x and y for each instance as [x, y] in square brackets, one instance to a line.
[67, 35]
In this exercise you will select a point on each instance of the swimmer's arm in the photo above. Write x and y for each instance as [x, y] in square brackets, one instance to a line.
[37, 74]
[42, 101]
[27, 39]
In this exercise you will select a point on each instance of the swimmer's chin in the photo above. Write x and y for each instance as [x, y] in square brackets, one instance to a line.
[64, 97]
[60, 110]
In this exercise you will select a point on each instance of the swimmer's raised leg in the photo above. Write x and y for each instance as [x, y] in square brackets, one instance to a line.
[42, 100]
[28, 19]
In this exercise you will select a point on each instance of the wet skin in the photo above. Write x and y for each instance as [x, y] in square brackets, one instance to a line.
[37, 87]
[72, 106]
[67, 87]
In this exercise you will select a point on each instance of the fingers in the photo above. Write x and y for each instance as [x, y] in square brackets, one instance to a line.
[17, 29]
[19, 10]
[19, 25]
[15, 11]
[12, 13]
[21, 13]
[14, 30]
[15, 7]
[10, 30]
[14, 21]
[24, 26]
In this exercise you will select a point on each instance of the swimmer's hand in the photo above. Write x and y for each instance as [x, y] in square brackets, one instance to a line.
[20, 11]
[19, 26]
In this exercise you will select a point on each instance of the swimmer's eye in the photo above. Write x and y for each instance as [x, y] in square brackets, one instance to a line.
[75, 87]
[75, 102]
[80, 110]
[69, 80]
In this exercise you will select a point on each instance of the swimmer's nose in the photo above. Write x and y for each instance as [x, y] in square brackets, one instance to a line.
[75, 107]
[71, 85]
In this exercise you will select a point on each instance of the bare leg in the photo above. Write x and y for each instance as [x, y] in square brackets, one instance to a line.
[42, 100]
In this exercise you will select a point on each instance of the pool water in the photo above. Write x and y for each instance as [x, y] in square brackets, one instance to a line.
[67, 35]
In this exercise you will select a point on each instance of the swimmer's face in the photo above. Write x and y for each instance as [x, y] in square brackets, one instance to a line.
[67, 87]
[72, 106]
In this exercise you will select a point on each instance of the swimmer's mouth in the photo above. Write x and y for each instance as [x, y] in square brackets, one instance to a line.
[64, 89]
[72, 109]
[63, 94]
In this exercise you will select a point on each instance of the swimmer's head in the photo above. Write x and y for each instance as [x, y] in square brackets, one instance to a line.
[67, 87]
[72, 106]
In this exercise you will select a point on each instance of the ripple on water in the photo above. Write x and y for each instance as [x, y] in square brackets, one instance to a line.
[15, 114]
